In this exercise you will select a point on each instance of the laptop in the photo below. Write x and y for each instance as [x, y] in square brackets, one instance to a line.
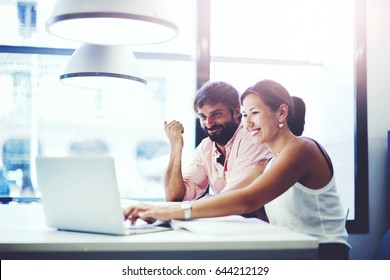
[81, 194]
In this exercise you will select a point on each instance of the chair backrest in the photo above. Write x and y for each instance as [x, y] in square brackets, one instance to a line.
[383, 250]
[16, 154]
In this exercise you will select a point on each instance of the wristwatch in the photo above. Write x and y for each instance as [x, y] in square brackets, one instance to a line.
[186, 205]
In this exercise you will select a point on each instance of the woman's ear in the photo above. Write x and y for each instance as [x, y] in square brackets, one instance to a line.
[283, 112]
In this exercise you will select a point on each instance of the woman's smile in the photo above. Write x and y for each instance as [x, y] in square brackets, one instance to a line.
[254, 131]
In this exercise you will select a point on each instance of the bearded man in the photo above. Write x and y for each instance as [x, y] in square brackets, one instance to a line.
[223, 159]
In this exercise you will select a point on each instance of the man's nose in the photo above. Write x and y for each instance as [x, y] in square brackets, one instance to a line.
[209, 122]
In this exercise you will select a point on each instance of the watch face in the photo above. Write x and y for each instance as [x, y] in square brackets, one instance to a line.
[187, 209]
[186, 205]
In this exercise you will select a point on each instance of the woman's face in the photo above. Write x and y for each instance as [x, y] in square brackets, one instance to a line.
[259, 119]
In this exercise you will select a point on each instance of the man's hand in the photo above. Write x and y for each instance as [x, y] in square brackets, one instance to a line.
[174, 131]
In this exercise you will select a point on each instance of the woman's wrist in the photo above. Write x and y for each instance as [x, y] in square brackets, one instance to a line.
[187, 208]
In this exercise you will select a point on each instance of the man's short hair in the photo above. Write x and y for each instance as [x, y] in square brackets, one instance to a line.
[213, 92]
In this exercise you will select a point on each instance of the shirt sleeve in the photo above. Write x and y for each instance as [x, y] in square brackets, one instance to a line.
[195, 176]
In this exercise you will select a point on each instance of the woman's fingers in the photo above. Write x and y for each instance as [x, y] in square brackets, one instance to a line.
[132, 213]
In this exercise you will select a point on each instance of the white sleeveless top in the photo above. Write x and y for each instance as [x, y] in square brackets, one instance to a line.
[314, 212]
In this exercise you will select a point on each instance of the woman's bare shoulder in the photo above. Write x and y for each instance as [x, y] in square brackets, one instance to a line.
[300, 148]
[303, 143]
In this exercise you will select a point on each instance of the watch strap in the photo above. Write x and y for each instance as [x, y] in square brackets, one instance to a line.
[186, 206]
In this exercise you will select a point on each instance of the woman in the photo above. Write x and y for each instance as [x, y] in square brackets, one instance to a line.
[297, 186]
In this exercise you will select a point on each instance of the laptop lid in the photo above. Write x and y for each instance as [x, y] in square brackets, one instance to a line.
[80, 194]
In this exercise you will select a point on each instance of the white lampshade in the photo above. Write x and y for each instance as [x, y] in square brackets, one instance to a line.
[102, 67]
[113, 22]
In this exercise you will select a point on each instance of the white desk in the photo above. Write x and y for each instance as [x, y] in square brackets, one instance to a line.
[24, 235]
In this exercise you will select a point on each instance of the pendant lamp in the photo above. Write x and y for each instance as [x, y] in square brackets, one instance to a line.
[102, 67]
[113, 22]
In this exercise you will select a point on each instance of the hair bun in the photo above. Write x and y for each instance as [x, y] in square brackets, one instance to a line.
[297, 123]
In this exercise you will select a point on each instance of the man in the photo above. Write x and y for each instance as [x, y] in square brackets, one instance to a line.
[221, 161]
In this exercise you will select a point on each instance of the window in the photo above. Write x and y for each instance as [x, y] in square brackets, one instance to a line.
[314, 48]
[310, 48]
[41, 116]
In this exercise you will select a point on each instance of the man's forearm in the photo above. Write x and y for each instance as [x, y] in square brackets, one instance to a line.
[174, 184]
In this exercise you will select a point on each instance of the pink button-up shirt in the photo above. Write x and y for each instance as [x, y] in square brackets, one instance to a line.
[204, 170]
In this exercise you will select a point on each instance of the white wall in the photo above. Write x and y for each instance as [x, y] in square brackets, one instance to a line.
[378, 91]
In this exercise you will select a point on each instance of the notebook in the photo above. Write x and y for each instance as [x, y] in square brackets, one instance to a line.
[81, 194]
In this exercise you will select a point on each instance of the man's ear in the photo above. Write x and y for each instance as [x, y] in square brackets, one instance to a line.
[237, 113]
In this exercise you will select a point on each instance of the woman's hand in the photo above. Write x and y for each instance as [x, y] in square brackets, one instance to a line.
[133, 213]
[151, 213]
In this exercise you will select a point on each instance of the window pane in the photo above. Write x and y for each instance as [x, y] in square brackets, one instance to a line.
[40, 116]
[25, 26]
[295, 43]
[25, 21]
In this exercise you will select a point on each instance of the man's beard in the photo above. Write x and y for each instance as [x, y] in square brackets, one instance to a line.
[227, 132]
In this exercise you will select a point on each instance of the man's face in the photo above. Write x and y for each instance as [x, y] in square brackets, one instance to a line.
[218, 122]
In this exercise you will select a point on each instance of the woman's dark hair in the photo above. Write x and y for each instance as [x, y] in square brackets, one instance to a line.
[273, 95]
[217, 92]
[297, 123]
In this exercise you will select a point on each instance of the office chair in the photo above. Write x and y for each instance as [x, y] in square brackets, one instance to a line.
[16, 156]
